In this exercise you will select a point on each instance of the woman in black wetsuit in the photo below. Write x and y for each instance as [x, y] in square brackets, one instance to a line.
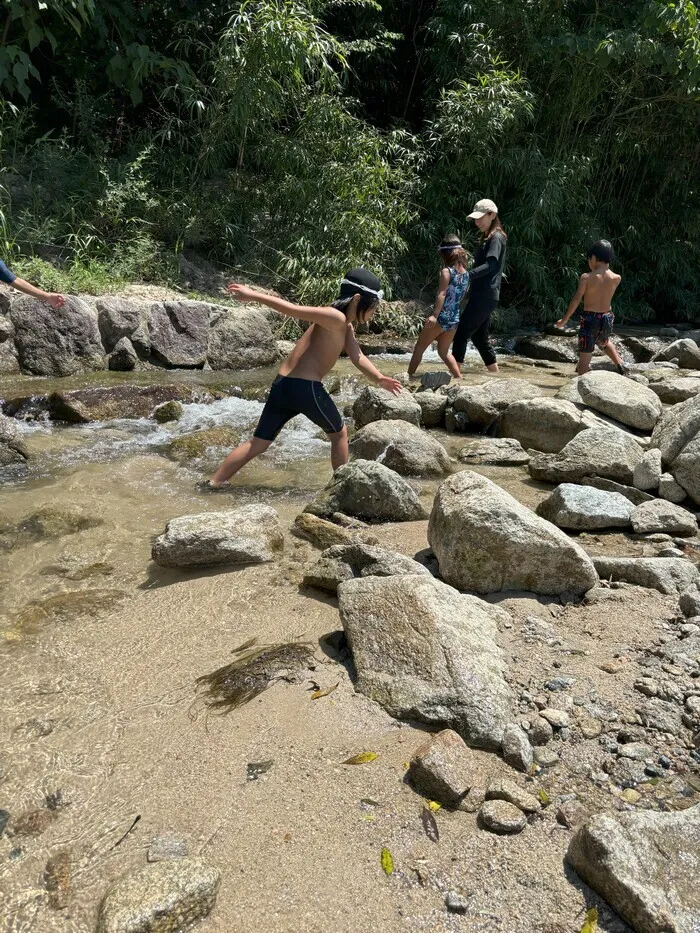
[485, 286]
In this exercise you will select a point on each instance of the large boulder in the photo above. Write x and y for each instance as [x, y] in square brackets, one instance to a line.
[119, 319]
[635, 496]
[12, 446]
[401, 446]
[482, 404]
[647, 473]
[645, 864]
[669, 575]
[121, 401]
[664, 517]
[241, 338]
[643, 350]
[557, 349]
[629, 402]
[9, 364]
[56, 341]
[673, 391]
[249, 535]
[583, 508]
[545, 424]
[601, 451]
[426, 652]
[178, 333]
[685, 352]
[486, 541]
[677, 435]
[345, 562]
[374, 404]
[370, 491]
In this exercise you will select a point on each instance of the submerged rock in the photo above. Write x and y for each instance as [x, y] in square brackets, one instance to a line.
[402, 447]
[80, 406]
[163, 898]
[374, 404]
[629, 402]
[325, 534]
[345, 562]
[645, 865]
[251, 534]
[189, 447]
[585, 508]
[426, 652]
[12, 446]
[168, 411]
[487, 542]
[368, 490]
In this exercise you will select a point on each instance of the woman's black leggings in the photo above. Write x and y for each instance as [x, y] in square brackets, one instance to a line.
[474, 325]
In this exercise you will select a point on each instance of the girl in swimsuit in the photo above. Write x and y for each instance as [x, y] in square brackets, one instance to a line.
[442, 323]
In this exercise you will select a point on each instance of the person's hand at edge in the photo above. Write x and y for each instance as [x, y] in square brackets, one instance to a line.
[390, 384]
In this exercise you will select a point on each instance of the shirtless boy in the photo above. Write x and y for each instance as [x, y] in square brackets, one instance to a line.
[597, 288]
[298, 389]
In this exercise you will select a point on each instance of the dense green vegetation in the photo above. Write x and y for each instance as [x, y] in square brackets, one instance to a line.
[289, 140]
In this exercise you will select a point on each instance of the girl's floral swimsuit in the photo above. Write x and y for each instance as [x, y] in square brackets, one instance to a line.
[449, 316]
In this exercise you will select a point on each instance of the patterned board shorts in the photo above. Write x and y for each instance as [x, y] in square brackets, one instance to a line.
[594, 329]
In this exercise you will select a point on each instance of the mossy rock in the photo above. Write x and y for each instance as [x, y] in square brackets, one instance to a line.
[61, 607]
[168, 411]
[194, 446]
[51, 522]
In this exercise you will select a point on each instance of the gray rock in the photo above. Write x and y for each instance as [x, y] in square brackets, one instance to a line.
[241, 338]
[80, 406]
[556, 349]
[689, 603]
[347, 561]
[546, 757]
[636, 751]
[499, 816]
[487, 542]
[635, 496]
[251, 534]
[545, 424]
[483, 404]
[669, 575]
[503, 789]
[402, 447]
[572, 813]
[670, 490]
[516, 749]
[432, 408]
[620, 398]
[162, 898]
[179, 333]
[325, 534]
[645, 864]
[374, 404]
[435, 379]
[9, 362]
[555, 717]
[123, 357]
[569, 392]
[56, 341]
[585, 508]
[673, 391]
[168, 411]
[12, 446]
[686, 469]
[662, 516]
[426, 652]
[661, 716]
[495, 451]
[677, 435]
[167, 846]
[371, 491]
[685, 352]
[601, 451]
[444, 768]
[643, 350]
[540, 731]
[647, 473]
[456, 903]
[119, 319]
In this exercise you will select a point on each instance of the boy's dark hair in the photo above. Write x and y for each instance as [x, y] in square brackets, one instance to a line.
[602, 250]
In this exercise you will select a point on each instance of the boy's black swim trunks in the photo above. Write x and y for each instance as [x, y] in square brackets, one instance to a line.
[290, 397]
[595, 328]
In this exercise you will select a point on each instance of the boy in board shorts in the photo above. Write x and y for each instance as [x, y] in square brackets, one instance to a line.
[596, 288]
[299, 389]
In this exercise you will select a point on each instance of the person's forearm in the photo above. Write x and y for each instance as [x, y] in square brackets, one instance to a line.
[368, 369]
[486, 268]
[29, 289]
[279, 304]
[571, 311]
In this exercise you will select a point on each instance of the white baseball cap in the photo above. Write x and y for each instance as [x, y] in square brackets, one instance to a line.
[483, 207]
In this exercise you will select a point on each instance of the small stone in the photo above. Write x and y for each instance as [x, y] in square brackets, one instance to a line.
[631, 795]
[647, 686]
[4, 819]
[499, 816]
[571, 813]
[33, 823]
[57, 879]
[612, 667]
[692, 705]
[456, 903]
[40, 727]
[560, 683]
[167, 846]
[540, 731]
[665, 761]
[443, 768]
[166, 897]
[546, 757]
[503, 789]
[168, 411]
[556, 717]
[689, 629]
[516, 748]
[590, 728]
[637, 751]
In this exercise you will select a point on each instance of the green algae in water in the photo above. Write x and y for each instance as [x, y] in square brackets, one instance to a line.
[240, 681]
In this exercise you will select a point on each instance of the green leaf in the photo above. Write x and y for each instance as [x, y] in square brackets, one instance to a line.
[387, 862]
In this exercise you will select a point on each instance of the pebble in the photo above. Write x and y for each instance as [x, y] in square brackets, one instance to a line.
[689, 629]
[456, 903]
[637, 751]
[40, 727]
[572, 813]
[559, 683]
[33, 823]
[503, 789]
[692, 705]
[499, 816]
[590, 728]
[631, 795]
[4, 818]
[647, 686]
[546, 757]
[540, 731]
[516, 749]
[555, 717]
[57, 879]
[167, 846]
[612, 667]
[665, 761]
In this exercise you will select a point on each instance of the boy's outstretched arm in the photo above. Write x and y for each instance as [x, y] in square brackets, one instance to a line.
[575, 301]
[55, 300]
[358, 359]
[330, 318]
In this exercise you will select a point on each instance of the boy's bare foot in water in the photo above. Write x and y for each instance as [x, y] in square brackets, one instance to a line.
[206, 485]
